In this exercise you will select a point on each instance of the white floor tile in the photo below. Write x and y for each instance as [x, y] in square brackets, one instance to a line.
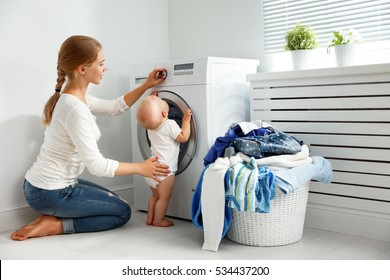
[138, 241]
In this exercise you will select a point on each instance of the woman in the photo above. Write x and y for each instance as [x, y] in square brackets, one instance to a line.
[67, 204]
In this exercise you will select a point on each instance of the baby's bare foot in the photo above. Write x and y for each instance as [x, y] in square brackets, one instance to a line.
[163, 223]
[149, 218]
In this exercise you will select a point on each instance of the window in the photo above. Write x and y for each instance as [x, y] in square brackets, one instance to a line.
[370, 17]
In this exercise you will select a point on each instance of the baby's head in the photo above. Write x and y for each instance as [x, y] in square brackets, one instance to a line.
[152, 111]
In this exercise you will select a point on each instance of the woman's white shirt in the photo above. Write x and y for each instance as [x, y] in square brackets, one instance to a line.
[70, 143]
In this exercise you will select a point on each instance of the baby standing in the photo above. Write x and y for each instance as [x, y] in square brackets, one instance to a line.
[165, 136]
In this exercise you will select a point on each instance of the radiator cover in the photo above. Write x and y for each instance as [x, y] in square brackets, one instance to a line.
[344, 114]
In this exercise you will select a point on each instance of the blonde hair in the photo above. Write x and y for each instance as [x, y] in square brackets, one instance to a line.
[150, 112]
[75, 51]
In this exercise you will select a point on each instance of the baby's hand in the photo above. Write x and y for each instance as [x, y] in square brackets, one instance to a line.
[187, 115]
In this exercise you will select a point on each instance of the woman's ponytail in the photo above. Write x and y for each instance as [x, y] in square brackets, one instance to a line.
[51, 103]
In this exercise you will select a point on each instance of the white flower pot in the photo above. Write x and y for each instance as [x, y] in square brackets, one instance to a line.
[302, 59]
[346, 55]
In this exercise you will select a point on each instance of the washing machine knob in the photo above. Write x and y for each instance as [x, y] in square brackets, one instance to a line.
[162, 74]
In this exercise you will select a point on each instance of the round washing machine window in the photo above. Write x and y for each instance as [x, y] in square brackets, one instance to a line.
[177, 106]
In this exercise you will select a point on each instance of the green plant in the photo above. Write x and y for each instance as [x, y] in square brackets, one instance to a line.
[301, 37]
[341, 37]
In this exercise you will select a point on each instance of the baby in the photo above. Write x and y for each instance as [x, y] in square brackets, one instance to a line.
[165, 137]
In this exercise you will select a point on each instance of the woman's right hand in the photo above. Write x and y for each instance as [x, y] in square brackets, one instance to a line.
[152, 168]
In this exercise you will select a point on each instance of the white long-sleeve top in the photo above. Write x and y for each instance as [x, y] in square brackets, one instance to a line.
[70, 143]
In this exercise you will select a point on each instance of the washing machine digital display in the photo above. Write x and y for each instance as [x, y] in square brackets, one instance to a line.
[186, 66]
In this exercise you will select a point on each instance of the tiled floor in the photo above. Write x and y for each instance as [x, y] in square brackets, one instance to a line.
[138, 241]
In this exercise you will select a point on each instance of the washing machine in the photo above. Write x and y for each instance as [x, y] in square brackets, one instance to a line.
[217, 92]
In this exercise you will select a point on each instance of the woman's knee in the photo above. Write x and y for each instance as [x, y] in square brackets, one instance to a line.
[126, 214]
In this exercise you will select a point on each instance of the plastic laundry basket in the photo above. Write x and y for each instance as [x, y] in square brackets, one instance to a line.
[281, 226]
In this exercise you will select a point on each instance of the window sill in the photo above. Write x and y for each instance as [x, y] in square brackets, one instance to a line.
[322, 58]
[381, 69]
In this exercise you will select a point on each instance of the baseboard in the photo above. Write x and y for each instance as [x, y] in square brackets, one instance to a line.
[126, 192]
[18, 215]
[348, 221]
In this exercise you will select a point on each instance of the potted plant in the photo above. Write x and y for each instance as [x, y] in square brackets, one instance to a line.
[300, 40]
[345, 46]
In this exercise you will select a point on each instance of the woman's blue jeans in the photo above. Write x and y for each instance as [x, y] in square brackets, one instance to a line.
[83, 207]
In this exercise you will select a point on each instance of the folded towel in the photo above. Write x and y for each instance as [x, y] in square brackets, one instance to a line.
[288, 180]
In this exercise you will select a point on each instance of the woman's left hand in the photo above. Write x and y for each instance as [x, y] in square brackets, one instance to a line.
[152, 168]
[155, 77]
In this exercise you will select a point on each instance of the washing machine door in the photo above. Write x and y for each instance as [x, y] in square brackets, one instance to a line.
[177, 106]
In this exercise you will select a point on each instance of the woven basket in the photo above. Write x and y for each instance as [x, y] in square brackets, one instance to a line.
[281, 226]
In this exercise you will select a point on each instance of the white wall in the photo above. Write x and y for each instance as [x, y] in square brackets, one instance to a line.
[31, 32]
[132, 32]
[224, 28]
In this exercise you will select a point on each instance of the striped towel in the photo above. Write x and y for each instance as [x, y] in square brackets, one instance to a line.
[250, 187]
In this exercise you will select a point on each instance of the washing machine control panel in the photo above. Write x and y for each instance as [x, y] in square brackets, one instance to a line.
[183, 69]
[175, 71]
[184, 72]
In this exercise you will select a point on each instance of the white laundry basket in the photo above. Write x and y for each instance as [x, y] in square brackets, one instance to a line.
[281, 226]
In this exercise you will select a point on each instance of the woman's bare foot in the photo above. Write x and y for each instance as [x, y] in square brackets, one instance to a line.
[36, 221]
[42, 226]
[163, 223]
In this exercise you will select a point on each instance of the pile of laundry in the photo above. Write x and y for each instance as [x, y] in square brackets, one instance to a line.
[244, 168]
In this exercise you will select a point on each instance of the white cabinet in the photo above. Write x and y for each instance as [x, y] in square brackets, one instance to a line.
[344, 114]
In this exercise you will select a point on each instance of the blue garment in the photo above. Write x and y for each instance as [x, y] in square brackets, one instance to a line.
[196, 206]
[84, 207]
[251, 188]
[266, 189]
[221, 143]
[278, 143]
[289, 180]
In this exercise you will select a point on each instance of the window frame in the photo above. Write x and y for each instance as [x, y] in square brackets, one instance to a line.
[373, 49]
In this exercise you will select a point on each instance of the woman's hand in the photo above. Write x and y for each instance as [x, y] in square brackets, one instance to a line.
[152, 168]
[149, 168]
[155, 77]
